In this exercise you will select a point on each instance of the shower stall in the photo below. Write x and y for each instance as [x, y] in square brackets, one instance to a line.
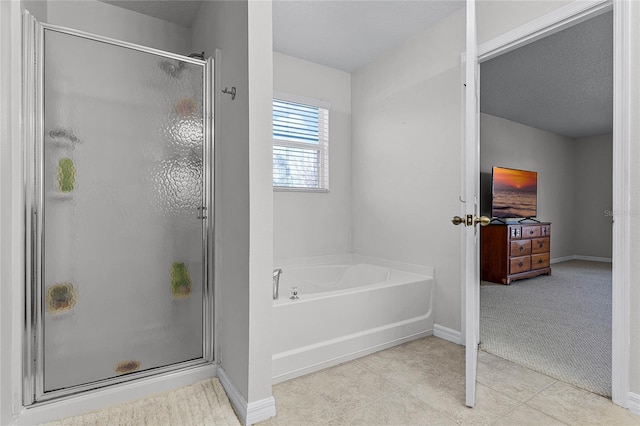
[119, 195]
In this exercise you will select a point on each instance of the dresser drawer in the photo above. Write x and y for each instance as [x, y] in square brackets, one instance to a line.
[519, 264]
[520, 247]
[515, 232]
[539, 261]
[531, 231]
[540, 245]
[545, 230]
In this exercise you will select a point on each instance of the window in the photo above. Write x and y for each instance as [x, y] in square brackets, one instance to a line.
[300, 146]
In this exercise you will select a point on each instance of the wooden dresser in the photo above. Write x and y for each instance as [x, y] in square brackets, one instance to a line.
[510, 252]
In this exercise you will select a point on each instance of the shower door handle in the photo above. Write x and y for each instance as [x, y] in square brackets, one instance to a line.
[202, 212]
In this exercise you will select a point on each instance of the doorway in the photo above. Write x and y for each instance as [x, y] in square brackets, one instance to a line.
[548, 107]
[548, 24]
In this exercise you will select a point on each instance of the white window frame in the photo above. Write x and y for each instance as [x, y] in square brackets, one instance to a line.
[323, 145]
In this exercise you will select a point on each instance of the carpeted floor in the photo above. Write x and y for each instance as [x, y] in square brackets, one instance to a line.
[559, 325]
[203, 403]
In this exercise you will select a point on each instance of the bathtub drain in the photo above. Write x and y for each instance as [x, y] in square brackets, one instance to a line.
[294, 293]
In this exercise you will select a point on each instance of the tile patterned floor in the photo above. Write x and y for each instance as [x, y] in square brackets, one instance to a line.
[422, 383]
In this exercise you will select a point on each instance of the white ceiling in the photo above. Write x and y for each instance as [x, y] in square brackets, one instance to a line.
[562, 83]
[342, 34]
[347, 35]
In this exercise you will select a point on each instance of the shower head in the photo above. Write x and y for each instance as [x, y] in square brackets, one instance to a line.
[174, 68]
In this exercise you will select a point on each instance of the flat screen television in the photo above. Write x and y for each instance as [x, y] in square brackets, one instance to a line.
[514, 193]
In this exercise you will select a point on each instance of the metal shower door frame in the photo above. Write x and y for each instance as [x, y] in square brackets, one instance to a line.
[33, 136]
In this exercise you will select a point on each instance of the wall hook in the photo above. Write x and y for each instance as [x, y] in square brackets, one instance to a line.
[231, 92]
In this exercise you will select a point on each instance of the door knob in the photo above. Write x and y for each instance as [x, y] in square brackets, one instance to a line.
[457, 220]
[482, 220]
[471, 220]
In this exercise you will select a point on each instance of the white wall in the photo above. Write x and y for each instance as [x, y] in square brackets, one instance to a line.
[574, 181]
[634, 135]
[406, 110]
[261, 205]
[224, 25]
[11, 209]
[314, 223]
[593, 185]
[506, 143]
[243, 193]
[111, 21]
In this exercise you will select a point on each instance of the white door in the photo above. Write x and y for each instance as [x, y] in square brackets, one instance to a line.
[470, 206]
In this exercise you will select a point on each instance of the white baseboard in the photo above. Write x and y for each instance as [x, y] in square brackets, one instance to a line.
[248, 413]
[346, 357]
[594, 258]
[580, 257]
[562, 259]
[633, 402]
[258, 411]
[447, 334]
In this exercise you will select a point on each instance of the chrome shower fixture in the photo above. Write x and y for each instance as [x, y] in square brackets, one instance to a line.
[197, 55]
[173, 68]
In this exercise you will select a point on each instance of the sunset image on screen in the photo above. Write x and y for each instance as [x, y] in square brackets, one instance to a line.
[506, 179]
[514, 193]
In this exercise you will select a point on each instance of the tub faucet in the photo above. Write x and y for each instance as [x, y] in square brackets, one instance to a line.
[276, 282]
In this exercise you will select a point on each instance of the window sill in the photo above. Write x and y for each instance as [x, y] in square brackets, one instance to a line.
[282, 189]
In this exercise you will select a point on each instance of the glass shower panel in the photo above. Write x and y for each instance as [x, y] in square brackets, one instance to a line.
[121, 193]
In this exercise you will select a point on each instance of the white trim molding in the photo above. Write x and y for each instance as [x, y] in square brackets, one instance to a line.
[551, 23]
[580, 257]
[11, 211]
[248, 413]
[258, 411]
[633, 402]
[621, 249]
[449, 334]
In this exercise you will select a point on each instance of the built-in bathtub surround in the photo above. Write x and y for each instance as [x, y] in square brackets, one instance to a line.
[335, 308]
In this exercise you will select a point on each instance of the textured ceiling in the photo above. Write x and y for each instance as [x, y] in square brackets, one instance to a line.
[348, 34]
[562, 83]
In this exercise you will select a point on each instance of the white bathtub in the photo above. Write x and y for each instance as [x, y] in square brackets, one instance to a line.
[345, 311]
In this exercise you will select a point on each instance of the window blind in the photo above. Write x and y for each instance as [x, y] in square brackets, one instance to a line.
[300, 146]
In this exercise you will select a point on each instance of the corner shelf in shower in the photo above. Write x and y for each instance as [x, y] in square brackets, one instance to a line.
[62, 138]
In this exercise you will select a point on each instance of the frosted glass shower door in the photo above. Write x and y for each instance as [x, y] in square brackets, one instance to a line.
[121, 190]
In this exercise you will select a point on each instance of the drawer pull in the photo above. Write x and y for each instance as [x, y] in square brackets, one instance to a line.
[520, 264]
[540, 245]
[539, 260]
[521, 248]
[531, 232]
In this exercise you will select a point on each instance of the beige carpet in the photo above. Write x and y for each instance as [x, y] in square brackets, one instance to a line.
[559, 325]
[203, 403]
